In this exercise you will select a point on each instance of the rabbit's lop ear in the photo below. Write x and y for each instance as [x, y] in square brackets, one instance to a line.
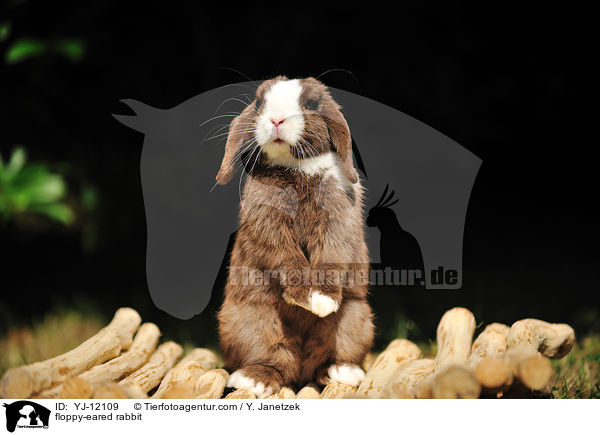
[341, 139]
[239, 133]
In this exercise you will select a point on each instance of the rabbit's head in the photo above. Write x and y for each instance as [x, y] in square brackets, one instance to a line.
[290, 122]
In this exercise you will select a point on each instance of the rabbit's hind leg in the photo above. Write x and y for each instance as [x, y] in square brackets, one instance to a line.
[353, 337]
[261, 379]
[255, 345]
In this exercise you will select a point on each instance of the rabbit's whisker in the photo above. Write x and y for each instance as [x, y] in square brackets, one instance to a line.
[223, 127]
[225, 115]
[237, 133]
[230, 99]
[228, 68]
[257, 147]
[217, 117]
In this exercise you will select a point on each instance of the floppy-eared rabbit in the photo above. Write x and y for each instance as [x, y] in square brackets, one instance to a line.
[301, 210]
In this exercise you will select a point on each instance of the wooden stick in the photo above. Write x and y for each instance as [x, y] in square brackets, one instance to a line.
[184, 373]
[486, 358]
[493, 374]
[283, 393]
[187, 372]
[402, 384]
[530, 343]
[535, 372]
[76, 388]
[112, 390]
[241, 393]
[491, 343]
[126, 321]
[399, 353]
[456, 382]
[211, 384]
[178, 391]
[133, 391]
[143, 344]
[108, 390]
[308, 392]
[454, 335]
[526, 363]
[337, 390]
[150, 374]
[205, 357]
[553, 340]
[22, 382]
[424, 388]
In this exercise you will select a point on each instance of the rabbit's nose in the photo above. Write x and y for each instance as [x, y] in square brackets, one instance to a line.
[277, 121]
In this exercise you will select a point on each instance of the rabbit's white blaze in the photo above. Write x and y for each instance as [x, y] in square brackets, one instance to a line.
[334, 170]
[318, 164]
[327, 165]
[281, 106]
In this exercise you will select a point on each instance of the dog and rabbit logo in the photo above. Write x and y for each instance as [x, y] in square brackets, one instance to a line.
[25, 414]
[417, 183]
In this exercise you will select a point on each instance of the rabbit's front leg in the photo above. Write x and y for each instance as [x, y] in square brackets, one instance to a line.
[296, 285]
[315, 288]
[320, 296]
[274, 241]
[325, 293]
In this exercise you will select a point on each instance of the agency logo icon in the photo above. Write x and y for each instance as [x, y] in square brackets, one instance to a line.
[25, 414]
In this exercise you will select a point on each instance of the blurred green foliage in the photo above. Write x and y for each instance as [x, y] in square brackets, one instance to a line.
[4, 31]
[72, 49]
[28, 188]
[26, 48]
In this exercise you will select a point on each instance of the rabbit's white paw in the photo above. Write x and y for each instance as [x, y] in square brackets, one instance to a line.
[239, 380]
[321, 304]
[346, 374]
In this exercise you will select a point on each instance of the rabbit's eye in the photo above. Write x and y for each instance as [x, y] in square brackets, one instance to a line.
[258, 103]
[311, 104]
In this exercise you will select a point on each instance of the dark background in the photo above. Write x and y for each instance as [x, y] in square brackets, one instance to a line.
[514, 86]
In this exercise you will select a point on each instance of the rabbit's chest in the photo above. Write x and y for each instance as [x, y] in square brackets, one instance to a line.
[310, 221]
[311, 203]
[317, 210]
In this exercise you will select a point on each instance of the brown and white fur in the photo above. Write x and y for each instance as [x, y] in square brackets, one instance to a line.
[302, 209]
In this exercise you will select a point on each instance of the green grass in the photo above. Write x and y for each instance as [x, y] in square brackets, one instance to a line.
[578, 373]
[55, 334]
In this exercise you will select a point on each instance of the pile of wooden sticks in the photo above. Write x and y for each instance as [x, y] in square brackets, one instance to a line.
[503, 361]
